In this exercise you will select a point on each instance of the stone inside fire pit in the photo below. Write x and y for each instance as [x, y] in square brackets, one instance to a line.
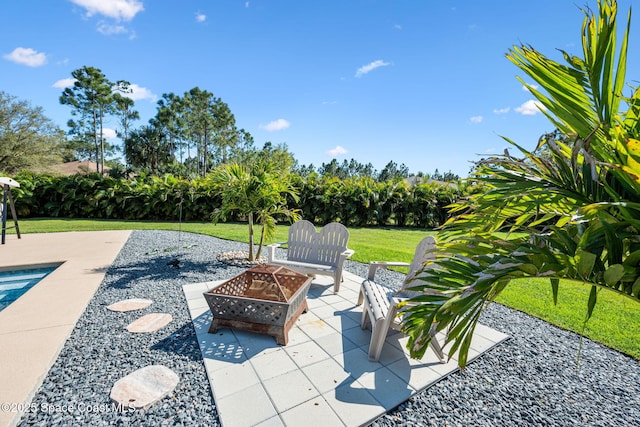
[267, 299]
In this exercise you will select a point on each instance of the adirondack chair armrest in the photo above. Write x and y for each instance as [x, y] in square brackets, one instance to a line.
[375, 265]
[344, 255]
[347, 254]
[271, 250]
[397, 300]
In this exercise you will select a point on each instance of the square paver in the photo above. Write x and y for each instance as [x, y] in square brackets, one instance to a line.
[360, 337]
[386, 387]
[315, 302]
[353, 404]
[273, 364]
[306, 353]
[340, 322]
[289, 390]
[308, 317]
[317, 329]
[327, 375]
[312, 413]
[220, 351]
[419, 375]
[233, 378]
[296, 336]
[254, 344]
[233, 408]
[343, 304]
[335, 344]
[275, 421]
[324, 311]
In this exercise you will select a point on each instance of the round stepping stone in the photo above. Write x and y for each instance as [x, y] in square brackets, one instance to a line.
[149, 323]
[130, 304]
[144, 387]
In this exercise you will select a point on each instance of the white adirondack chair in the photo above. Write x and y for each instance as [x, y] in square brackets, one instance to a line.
[380, 302]
[315, 252]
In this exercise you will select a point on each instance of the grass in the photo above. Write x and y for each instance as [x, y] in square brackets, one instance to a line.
[615, 321]
[369, 243]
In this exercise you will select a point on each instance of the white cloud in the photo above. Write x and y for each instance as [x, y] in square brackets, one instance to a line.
[502, 110]
[120, 10]
[109, 29]
[526, 89]
[398, 27]
[63, 83]
[247, 4]
[26, 56]
[108, 133]
[530, 108]
[201, 17]
[138, 92]
[335, 152]
[370, 67]
[276, 125]
[476, 119]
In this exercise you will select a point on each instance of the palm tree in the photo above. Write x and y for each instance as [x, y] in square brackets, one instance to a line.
[258, 193]
[572, 212]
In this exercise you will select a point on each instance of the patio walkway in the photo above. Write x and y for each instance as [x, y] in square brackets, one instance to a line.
[323, 376]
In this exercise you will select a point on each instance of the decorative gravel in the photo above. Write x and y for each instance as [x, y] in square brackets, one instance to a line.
[531, 379]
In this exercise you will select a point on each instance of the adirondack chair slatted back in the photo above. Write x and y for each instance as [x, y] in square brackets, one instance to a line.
[318, 247]
[301, 241]
[332, 241]
[423, 253]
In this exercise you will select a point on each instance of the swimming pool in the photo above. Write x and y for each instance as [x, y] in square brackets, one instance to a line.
[14, 283]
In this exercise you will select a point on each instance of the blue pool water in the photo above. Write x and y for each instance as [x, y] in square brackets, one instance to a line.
[14, 283]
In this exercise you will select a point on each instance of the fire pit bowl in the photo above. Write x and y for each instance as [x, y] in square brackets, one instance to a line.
[266, 299]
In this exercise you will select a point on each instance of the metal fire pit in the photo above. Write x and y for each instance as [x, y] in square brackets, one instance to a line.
[267, 299]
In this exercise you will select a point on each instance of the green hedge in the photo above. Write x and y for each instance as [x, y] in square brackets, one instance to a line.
[92, 196]
[353, 202]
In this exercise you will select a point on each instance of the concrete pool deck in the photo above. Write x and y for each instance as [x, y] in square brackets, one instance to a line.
[34, 328]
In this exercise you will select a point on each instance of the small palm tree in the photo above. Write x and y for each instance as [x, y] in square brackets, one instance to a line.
[575, 201]
[258, 193]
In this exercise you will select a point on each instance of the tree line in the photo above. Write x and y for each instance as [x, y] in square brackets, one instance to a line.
[189, 135]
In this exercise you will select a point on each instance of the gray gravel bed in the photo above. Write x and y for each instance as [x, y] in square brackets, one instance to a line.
[531, 379]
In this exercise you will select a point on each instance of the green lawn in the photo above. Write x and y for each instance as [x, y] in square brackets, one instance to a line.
[615, 321]
[368, 243]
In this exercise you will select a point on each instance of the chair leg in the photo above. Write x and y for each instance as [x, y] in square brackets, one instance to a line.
[378, 335]
[360, 296]
[364, 319]
[379, 330]
[437, 349]
[435, 345]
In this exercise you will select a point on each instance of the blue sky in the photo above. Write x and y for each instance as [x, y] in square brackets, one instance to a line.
[418, 82]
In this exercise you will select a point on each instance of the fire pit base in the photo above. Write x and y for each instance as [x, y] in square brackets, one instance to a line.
[279, 332]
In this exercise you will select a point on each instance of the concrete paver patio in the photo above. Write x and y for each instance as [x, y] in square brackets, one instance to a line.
[323, 375]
